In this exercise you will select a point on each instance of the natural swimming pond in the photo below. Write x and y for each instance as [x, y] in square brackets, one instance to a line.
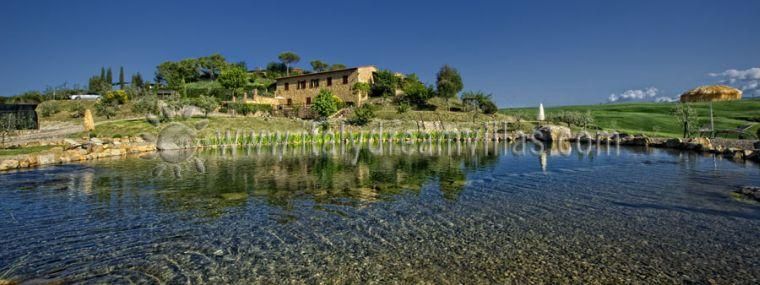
[438, 213]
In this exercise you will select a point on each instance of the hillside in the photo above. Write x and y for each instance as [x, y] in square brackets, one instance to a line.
[654, 118]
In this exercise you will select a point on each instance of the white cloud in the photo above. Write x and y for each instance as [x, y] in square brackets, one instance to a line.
[666, 99]
[634, 95]
[747, 80]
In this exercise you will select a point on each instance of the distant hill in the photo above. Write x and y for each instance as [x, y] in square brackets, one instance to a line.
[654, 118]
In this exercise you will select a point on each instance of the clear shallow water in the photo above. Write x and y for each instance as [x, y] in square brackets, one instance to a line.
[407, 213]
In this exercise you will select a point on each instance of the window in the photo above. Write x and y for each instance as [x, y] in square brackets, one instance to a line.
[302, 84]
[314, 83]
[290, 101]
[345, 79]
[287, 85]
[329, 81]
[308, 100]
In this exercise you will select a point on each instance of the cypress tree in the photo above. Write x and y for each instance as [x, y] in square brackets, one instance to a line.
[121, 78]
[102, 74]
[109, 77]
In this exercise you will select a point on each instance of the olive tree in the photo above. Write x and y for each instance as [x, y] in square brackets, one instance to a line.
[687, 116]
[448, 83]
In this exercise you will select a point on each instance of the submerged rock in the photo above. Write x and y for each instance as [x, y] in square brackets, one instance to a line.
[751, 192]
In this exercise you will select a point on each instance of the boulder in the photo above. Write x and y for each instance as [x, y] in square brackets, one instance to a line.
[552, 133]
[699, 144]
[732, 153]
[673, 143]
[8, 164]
[45, 159]
[69, 144]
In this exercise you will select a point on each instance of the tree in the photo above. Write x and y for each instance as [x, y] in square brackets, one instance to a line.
[319, 66]
[137, 81]
[385, 84]
[109, 77]
[211, 66]
[288, 58]
[121, 78]
[207, 103]
[448, 83]
[325, 104]
[687, 117]
[337, 66]
[233, 78]
[103, 74]
[415, 92]
[97, 85]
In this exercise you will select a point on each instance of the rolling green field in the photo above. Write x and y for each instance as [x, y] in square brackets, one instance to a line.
[654, 119]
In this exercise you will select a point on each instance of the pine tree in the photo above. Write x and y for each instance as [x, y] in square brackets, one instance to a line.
[121, 78]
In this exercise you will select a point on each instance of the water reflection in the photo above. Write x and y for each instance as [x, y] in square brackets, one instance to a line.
[349, 213]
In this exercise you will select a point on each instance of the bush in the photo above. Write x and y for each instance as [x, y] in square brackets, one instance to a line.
[77, 110]
[106, 109]
[49, 108]
[325, 104]
[403, 107]
[207, 103]
[363, 115]
[489, 107]
[118, 96]
[245, 109]
[146, 105]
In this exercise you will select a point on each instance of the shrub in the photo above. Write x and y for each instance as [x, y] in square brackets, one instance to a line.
[118, 96]
[245, 109]
[49, 108]
[363, 115]
[489, 107]
[146, 105]
[207, 103]
[403, 107]
[106, 109]
[325, 104]
[77, 110]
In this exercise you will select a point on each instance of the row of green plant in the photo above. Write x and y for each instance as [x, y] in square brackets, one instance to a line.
[238, 137]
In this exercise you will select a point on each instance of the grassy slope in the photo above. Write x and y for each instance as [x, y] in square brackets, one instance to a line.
[655, 119]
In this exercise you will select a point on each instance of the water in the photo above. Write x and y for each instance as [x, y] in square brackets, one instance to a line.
[437, 213]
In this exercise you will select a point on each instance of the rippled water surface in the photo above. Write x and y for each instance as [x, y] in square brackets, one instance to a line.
[437, 213]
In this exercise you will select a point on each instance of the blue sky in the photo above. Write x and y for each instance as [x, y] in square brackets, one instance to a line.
[523, 52]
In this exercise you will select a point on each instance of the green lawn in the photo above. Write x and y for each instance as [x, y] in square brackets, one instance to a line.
[654, 118]
[23, 150]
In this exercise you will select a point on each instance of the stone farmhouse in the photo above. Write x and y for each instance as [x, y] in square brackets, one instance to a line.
[301, 90]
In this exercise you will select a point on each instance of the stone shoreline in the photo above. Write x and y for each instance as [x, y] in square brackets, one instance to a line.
[68, 150]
